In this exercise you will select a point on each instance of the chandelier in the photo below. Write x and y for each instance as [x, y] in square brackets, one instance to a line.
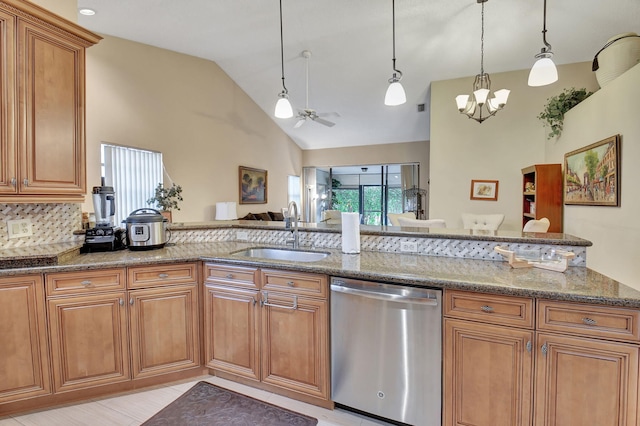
[480, 105]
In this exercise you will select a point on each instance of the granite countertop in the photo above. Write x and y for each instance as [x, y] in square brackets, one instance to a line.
[575, 284]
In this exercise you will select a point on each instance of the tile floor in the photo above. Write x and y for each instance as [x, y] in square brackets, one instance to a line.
[135, 407]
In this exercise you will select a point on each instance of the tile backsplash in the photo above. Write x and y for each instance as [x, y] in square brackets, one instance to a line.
[50, 223]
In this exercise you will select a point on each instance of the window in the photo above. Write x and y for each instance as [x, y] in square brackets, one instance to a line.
[134, 174]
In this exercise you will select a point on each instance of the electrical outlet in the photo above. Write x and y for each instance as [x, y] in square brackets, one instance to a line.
[242, 235]
[408, 246]
[19, 228]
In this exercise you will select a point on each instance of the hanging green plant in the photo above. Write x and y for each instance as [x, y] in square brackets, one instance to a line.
[557, 106]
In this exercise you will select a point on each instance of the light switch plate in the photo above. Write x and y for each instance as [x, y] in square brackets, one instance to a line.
[19, 228]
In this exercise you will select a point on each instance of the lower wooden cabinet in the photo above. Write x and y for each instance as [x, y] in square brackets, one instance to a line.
[488, 374]
[489, 377]
[89, 340]
[582, 381]
[24, 351]
[277, 337]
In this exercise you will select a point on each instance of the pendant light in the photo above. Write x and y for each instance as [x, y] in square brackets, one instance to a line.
[544, 70]
[283, 106]
[480, 100]
[395, 92]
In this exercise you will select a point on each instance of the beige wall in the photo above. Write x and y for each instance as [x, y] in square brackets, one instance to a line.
[497, 149]
[614, 231]
[68, 9]
[191, 111]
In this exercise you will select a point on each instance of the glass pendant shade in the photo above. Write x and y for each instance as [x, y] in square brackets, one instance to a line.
[481, 96]
[395, 94]
[461, 101]
[283, 106]
[501, 96]
[543, 72]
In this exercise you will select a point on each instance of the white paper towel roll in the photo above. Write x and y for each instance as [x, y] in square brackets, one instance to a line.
[351, 233]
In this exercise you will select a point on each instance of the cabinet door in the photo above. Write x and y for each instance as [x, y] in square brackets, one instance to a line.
[89, 340]
[294, 343]
[488, 373]
[24, 355]
[232, 330]
[52, 96]
[585, 382]
[164, 330]
[8, 107]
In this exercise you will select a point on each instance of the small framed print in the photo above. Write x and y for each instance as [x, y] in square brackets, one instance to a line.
[253, 185]
[484, 190]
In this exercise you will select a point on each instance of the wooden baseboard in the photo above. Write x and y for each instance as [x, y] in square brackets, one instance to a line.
[48, 401]
[328, 404]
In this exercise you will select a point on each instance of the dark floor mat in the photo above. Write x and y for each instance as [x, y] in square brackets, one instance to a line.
[207, 404]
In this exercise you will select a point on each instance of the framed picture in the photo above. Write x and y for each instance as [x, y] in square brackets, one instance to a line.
[253, 185]
[484, 190]
[592, 174]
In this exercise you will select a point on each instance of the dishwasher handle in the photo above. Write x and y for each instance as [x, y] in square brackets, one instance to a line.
[381, 295]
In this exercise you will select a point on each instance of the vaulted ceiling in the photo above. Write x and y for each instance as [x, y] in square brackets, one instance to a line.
[351, 46]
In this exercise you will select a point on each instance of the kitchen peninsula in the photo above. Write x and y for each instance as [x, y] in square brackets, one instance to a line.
[485, 300]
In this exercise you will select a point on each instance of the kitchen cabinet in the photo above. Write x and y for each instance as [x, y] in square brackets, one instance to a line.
[270, 327]
[88, 325]
[542, 194]
[43, 104]
[25, 369]
[488, 368]
[114, 325]
[585, 359]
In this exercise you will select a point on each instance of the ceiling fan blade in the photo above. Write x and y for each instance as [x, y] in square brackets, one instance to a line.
[328, 114]
[323, 121]
[299, 123]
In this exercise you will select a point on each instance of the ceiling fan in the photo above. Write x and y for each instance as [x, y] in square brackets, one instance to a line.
[308, 113]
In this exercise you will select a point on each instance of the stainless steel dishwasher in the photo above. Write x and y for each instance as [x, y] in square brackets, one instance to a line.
[386, 343]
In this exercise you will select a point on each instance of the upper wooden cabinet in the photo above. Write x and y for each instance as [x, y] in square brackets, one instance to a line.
[42, 108]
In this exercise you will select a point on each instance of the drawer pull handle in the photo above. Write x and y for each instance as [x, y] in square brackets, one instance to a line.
[229, 276]
[589, 321]
[486, 308]
[86, 283]
[163, 276]
[291, 283]
[121, 302]
[265, 302]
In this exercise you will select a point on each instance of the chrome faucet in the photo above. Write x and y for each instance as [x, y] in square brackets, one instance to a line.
[296, 236]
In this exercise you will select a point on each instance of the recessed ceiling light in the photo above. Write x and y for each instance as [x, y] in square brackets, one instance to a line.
[86, 11]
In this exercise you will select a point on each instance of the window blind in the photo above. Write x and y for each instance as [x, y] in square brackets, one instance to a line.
[134, 174]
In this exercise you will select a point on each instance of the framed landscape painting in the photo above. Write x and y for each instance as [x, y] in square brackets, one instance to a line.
[253, 185]
[484, 190]
[592, 174]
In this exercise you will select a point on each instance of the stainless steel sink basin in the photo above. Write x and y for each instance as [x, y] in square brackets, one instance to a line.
[282, 254]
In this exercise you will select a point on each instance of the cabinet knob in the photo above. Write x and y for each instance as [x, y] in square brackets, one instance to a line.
[486, 308]
[25, 182]
[131, 301]
[229, 276]
[85, 283]
[529, 346]
[163, 276]
[291, 283]
[13, 181]
[589, 321]
[121, 302]
[544, 349]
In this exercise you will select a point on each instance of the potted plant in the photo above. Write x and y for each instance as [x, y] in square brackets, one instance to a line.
[557, 106]
[166, 199]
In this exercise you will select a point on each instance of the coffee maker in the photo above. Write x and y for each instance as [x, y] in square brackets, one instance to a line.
[104, 236]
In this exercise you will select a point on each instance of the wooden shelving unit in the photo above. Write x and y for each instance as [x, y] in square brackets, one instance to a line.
[542, 194]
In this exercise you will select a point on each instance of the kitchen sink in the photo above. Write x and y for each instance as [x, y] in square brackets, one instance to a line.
[282, 254]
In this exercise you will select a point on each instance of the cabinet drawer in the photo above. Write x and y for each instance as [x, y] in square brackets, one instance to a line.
[294, 282]
[589, 320]
[162, 275]
[504, 310]
[65, 283]
[236, 276]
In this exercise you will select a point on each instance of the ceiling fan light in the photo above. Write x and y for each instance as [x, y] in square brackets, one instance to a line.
[395, 94]
[543, 71]
[283, 106]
